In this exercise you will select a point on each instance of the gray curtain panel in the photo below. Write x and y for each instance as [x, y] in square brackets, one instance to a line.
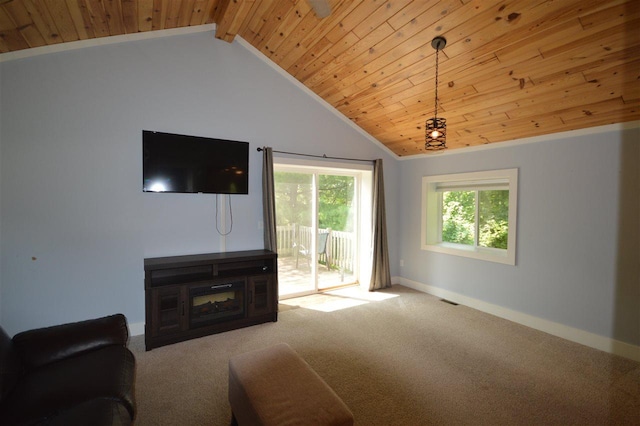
[268, 200]
[380, 274]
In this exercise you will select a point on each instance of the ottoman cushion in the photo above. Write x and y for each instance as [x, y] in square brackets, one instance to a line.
[274, 386]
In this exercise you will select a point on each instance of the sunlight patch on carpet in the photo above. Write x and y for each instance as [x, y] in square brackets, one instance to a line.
[337, 299]
[358, 293]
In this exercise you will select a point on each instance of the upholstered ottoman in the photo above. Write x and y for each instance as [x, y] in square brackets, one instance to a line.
[274, 386]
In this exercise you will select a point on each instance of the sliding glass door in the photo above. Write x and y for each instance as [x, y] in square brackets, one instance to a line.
[317, 227]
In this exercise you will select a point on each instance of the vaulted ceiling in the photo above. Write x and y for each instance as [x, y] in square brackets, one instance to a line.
[510, 69]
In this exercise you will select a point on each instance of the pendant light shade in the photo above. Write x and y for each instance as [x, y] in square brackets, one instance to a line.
[436, 128]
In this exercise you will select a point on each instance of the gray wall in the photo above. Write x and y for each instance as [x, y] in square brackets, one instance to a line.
[75, 224]
[577, 208]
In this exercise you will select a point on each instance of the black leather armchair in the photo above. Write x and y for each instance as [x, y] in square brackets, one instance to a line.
[72, 374]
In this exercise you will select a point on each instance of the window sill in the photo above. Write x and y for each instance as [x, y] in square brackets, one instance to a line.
[491, 255]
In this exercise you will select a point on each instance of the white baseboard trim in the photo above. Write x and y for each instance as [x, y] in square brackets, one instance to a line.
[576, 335]
[136, 329]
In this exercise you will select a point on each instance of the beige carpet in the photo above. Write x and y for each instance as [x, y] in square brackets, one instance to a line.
[401, 358]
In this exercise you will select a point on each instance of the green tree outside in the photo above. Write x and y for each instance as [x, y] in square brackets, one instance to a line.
[458, 217]
[493, 218]
[293, 193]
[335, 197]
[294, 200]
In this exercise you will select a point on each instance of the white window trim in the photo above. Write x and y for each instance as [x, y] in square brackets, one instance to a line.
[431, 232]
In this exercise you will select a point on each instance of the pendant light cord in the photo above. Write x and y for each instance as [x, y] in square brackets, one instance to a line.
[435, 115]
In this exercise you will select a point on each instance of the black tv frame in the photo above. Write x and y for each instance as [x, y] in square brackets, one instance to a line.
[188, 164]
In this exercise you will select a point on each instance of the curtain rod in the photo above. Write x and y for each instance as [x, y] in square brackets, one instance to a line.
[319, 156]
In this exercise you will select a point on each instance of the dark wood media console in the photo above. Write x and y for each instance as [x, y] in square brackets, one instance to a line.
[197, 295]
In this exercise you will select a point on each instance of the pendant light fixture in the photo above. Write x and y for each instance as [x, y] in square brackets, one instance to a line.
[436, 128]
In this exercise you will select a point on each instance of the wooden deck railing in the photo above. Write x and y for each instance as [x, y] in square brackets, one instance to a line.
[340, 248]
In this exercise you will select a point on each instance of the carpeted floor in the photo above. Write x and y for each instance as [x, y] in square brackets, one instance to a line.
[401, 357]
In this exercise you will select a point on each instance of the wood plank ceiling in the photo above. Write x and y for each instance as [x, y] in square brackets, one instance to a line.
[510, 70]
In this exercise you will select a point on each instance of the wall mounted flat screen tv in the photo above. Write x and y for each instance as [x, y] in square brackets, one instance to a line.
[194, 164]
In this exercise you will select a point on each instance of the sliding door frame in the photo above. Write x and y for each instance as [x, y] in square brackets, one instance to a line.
[363, 175]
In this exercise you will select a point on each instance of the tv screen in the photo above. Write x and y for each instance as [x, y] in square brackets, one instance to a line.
[194, 164]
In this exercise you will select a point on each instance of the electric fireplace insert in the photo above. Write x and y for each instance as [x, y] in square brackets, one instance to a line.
[210, 304]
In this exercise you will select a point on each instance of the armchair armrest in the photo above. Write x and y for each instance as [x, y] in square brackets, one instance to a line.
[45, 345]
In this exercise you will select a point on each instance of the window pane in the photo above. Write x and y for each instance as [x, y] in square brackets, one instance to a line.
[458, 217]
[493, 218]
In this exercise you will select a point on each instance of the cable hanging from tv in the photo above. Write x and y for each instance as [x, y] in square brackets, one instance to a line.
[324, 156]
[224, 234]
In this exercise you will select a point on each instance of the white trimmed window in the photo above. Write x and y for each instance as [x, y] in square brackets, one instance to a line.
[471, 214]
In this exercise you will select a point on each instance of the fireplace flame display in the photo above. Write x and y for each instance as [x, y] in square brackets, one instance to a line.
[211, 304]
[215, 303]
